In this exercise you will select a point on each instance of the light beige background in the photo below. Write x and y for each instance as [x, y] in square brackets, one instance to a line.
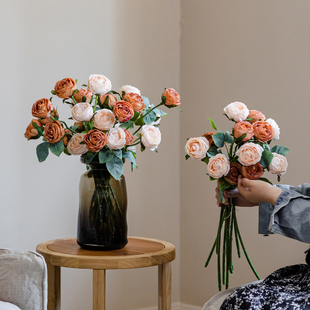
[213, 52]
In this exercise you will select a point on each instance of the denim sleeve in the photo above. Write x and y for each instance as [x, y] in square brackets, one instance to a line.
[290, 216]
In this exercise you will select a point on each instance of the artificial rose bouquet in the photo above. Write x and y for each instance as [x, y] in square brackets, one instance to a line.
[248, 153]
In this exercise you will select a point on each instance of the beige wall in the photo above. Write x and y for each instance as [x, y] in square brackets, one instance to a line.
[256, 52]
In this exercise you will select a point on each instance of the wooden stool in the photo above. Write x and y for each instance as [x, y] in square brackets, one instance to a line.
[139, 252]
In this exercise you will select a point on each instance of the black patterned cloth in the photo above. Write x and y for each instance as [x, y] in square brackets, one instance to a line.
[287, 288]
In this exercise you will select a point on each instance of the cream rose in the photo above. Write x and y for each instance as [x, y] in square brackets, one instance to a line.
[275, 127]
[99, 84]
[249, 154]
[197, 148]
[82, 112]
[278, 164]
[218, 166]
[74, 145]
[116, 138]
[129, 89]
[150, 137]
[104, 119]
[237, 111]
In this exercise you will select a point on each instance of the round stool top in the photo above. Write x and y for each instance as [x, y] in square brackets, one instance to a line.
[139, 252]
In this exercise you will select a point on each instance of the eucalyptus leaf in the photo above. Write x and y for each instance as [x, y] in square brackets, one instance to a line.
[218, 139]
[115, 167]
[42, 151]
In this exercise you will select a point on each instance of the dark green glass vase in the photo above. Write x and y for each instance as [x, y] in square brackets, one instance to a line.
[102, 223]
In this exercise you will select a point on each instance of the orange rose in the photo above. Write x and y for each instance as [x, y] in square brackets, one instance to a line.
[234, 172]
[111, 102]
[136, 100]
[123, 111]
[172, 98]
[95, 140]
[256, 115]
[65, 88]
[66, 136]
[78, 96]
[48, 119]
[253, 172]
[243, 127]
[263, 131]
[53, 132]
[42, 108]
[31, 131]
[208, 136]
[129, 137]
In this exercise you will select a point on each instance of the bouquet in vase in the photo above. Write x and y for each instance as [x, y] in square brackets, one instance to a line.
[246, 151]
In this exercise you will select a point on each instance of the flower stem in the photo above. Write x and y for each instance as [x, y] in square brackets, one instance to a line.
[153, 108]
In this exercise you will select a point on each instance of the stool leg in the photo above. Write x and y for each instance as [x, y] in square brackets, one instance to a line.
[164, 287]
[99, 290]
[53, 276]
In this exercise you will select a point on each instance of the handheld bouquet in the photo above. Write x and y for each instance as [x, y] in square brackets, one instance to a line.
[247, 153]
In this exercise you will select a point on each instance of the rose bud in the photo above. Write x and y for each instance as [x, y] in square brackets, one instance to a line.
[150, 137]
[278, 164]
[78, 96]
[243, 127]
[111, 101]
[218, 166]
[104, 119]
[129, 137]
[53, 132]
[65, 88]
[237, 111]
[197, 148]
[256, 116]
[263, 131]
[129, 89]
[172, 98]
[249, 154]
[253, 172]
[95, 140]
[82, 112]
[41, 108]
[31, 131]
[74, 145]
[123, 111]
[66, 136]
[99, 84]
[208, 136]
[135, 100]
[233, 174]
[116, 138]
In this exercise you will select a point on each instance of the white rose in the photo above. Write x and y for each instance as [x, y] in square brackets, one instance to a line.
[238, 111]
[218, 166]
[197, 148]
[82, 112]
[129, 89]
[275, 127]
[150, 137]
[116, 138]
[104, 119]
[74, 145]
[278, 164]
[99, 84]
[249, 154]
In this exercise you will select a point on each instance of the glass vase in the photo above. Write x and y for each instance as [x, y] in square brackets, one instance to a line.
[102, 223]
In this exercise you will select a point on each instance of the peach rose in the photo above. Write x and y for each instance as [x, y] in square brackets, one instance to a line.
[74, 145]
[197, 148]
[208, 136]
[123, 111]
[95, 140]
[65, 88]
[172, 98]
[253, 172]
[263, 131]
[243, 127]
[104, 119]
[42, 108]
[256, 115]
[129, 137]
[278, 164]
[275, 127]
[111, 102]
[135, 100]
[116, 138]
[78, 96]
[53, 132]
[129, 89]
[218, 166]
[249, 154]
[82, 112]
[99, 84]
[150, 137]
[31, 131]
[233, 174]
[237, 111]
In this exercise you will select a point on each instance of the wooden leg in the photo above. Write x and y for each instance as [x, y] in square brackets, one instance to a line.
[53, 276]
[164, 287]
[99, 290]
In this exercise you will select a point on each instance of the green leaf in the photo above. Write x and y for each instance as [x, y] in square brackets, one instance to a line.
[146, 101]
[149, 118]
[88, 125]
[212, 151]
[105, 155]
[219, 139]
[130, 156]
[128, 125]
[160, 112]
[282, 150]
[187, 156]
[53, 92]
[115, 167]
[57, 148]
[228, 137]
[239, 140]
[265, 180]
[118, 154]
[212, 123]
[89, 156]
[38, 128]
[42, 151]
[266, 159]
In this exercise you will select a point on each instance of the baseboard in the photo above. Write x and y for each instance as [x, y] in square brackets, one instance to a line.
[176, 306]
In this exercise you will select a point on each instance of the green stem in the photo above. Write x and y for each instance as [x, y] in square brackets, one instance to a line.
[153, 108]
